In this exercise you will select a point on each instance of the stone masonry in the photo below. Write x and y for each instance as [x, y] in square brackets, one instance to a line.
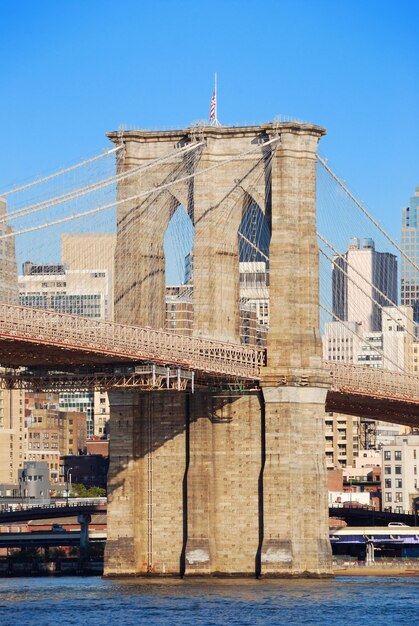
[220, 483]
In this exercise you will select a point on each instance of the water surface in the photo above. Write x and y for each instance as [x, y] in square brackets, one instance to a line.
[93, 601]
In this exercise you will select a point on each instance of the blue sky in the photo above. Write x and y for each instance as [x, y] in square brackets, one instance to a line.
[71, 71]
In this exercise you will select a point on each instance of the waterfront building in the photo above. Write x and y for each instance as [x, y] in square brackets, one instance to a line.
[409, 278]
[400, 462]
[370, 350]
[392, 347]
[354, 496]
[81, 402]
[254, 302]
[341, 341]
[368, 459]
[97, 445]
[34, 482]
[51, 432]
[415, 357]
[90, 470]
[80, 252]
[364, 480]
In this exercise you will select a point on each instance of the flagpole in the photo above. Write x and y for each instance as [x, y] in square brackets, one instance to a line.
[215, 91]
[214, 119]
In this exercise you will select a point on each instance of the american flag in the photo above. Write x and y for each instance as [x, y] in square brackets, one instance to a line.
[213, 105]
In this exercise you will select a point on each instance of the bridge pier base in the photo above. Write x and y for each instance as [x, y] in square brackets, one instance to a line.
[295, 514]
[218, 484]
[145, 483]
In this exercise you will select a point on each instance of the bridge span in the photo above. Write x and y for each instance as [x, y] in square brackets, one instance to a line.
[211, 482]
[47, 340]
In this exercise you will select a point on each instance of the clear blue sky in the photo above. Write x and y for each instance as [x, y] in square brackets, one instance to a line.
[71, 71]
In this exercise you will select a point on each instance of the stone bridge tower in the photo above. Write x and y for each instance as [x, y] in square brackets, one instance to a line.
[222, 483]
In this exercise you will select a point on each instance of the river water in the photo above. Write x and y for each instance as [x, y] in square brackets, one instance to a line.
[93, 601]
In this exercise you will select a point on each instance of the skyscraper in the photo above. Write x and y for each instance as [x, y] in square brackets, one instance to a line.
[12, 402]
[363, 280]
[8, 266]
[410, 245]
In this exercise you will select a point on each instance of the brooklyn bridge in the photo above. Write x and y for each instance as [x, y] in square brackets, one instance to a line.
[217, 423]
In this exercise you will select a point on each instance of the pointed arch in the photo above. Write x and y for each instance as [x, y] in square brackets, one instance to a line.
[254, 237]
[178, 243]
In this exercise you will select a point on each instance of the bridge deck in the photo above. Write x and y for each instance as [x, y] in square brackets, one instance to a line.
[40, 337]
[33, 337]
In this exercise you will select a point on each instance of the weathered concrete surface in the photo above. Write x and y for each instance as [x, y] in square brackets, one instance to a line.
[214, 484]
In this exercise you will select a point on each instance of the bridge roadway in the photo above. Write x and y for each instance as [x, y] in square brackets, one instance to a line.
[354, 515]
[33, 338]
[46, 539]
[51, 511]
[378, 535]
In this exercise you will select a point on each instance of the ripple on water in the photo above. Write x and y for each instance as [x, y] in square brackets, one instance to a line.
[99, 602]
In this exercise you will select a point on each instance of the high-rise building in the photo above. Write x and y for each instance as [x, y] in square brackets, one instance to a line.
[101, 414]
[341, 341]
[77, 292]
[8, 265]
[12, 402]
[342, 440]
[179, 309]
[80, 291]
[12, 435]
[81, 402]
[82, 252]
[364, 280]
[398, 334]
[86, 250]
[409, 276]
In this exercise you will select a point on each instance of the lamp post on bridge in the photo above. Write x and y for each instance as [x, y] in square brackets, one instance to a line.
[68, 475]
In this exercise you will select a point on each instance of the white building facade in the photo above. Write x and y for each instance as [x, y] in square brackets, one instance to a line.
[400, 462]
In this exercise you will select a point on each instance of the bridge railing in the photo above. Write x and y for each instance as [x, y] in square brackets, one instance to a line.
[203, 355]
[132, 342]
[354, 378]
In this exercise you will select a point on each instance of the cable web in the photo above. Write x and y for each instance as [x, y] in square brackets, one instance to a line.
[146, 242]
[363, 321]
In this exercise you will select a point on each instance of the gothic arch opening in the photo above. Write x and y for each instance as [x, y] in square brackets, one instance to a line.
[178, 253]
[254, 239]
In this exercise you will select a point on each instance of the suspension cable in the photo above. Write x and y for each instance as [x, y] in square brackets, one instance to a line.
[60, 172]
[364, 210]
